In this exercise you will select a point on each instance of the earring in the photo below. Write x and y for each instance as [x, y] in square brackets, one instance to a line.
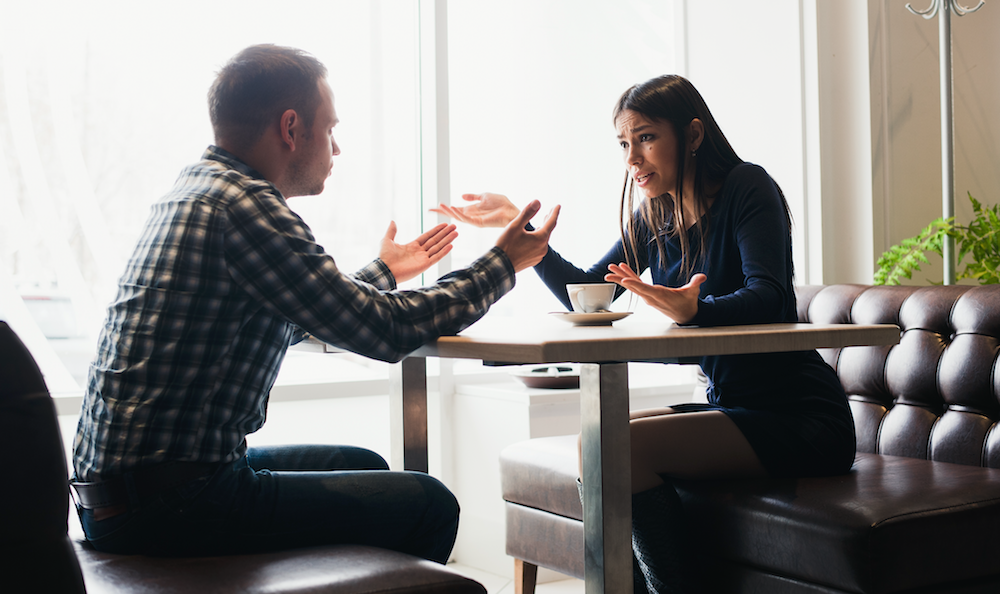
[694, 153]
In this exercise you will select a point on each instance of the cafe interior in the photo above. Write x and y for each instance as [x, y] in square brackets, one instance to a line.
[841, 101]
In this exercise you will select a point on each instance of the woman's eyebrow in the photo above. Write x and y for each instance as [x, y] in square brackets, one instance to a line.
[634, 130]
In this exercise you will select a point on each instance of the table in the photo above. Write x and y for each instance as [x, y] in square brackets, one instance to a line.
[604, 352]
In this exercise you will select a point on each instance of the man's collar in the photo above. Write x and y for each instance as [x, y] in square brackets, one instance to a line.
[216, 153]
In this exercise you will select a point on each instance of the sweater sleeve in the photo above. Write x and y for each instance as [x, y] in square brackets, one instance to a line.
[757, 236]
[272, 255]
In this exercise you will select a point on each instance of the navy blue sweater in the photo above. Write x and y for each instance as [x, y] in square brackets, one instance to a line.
[748, 263]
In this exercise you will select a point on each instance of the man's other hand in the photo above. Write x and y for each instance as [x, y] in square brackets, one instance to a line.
[527, 248]
[407, 261]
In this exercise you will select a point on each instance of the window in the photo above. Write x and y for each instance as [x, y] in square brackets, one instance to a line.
[99, 111]
[102, 104]
[532, 89]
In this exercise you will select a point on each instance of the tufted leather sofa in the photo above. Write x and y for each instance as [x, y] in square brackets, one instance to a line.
[918, 513]
[38, 556]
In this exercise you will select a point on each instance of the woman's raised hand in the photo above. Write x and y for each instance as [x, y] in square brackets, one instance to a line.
[679, 304]
[484, 210]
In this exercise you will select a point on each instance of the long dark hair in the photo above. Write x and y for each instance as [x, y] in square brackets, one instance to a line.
[673, 99]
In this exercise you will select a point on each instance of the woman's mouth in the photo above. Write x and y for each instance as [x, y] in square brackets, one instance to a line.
[641, 179]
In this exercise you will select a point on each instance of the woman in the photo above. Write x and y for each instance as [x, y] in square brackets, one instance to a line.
[714, 232]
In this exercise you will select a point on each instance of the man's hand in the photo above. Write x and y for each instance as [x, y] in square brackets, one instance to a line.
[486, 210]
[407, 261]
[679, 304]
[527, 248]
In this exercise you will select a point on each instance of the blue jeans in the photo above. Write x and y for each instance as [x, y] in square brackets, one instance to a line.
[285, 497]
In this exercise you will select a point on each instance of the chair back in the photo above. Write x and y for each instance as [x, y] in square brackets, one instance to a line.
[36, 554]
[936, 394]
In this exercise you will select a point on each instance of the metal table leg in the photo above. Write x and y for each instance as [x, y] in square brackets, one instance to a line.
[408, 414]
[607, 478]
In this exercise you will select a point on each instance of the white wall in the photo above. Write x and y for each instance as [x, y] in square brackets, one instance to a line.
[906, 128]
[839, 101]
[747, 64]
[788, 83]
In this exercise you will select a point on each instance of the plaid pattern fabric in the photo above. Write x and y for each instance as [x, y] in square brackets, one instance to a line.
[221, 279]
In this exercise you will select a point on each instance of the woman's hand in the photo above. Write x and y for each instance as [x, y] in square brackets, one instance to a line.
[679, 304]
[407, 261]
[485, 210]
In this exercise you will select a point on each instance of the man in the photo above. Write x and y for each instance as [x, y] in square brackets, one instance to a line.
[222, 279]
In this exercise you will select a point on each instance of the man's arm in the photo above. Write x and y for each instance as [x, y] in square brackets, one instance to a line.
[274, 257]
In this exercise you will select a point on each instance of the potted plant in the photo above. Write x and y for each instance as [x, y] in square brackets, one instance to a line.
[980, 239]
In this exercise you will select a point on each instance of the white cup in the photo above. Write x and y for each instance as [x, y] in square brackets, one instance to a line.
[591, 297]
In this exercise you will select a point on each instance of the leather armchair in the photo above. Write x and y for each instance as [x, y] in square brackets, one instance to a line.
[37, 555]
[919, 511]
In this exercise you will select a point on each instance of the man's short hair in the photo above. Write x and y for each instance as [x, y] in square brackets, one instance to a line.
[257, 85]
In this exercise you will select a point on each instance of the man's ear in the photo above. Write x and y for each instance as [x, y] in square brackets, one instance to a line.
[695, 134]
[291, 125]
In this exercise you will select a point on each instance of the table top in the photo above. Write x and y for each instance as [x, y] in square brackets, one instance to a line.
[545, 339]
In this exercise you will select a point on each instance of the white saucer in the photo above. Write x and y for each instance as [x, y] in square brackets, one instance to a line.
[600, 318]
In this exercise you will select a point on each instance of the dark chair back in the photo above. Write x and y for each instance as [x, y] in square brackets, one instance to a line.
[35, 555]
[936, 394]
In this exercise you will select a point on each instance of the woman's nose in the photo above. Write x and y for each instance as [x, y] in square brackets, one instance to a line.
[632, 156]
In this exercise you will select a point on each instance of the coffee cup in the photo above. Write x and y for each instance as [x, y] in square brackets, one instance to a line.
[591, 297]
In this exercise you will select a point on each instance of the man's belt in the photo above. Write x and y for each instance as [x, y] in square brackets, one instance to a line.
[146, 482]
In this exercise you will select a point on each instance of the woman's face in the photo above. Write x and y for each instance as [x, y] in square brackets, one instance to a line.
[649, 148]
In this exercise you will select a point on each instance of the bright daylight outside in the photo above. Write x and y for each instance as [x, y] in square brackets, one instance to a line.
[103, 103]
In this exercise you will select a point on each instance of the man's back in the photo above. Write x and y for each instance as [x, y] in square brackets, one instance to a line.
[187, 354]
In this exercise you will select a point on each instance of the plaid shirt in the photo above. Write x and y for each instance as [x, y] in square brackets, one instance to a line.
[222, 277]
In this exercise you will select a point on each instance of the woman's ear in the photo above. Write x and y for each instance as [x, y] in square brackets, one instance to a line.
[695, 134]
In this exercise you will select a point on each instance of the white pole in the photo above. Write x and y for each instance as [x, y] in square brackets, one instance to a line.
[947, 138]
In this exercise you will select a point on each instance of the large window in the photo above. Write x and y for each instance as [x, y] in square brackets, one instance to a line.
[102, 104]
[532, 89]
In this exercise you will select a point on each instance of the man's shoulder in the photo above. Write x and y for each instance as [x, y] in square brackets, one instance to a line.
[219, 181]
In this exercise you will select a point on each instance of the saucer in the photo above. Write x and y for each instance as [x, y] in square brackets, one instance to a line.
[598, 318]
[548, 376]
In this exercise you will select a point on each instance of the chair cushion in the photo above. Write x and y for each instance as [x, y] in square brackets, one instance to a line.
[344, 569]
[541, 473]
[891, 524]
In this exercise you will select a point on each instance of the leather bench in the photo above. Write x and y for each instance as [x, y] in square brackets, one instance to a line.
[38, 555]
[919, 511]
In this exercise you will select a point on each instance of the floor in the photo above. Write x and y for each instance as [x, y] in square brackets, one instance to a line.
[495, 584]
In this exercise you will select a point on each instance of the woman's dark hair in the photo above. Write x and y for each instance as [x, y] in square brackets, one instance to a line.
[257, 85]
[674, 100]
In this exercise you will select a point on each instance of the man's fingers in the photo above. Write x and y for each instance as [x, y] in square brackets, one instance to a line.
[525, 215]
[435, 233]
[440, 243]
[435, 256]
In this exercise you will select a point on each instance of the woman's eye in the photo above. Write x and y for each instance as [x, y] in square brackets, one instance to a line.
[624, 145]
[646, 137]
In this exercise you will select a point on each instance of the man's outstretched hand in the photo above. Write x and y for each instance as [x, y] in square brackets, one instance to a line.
[409, 260]
[527, 248]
